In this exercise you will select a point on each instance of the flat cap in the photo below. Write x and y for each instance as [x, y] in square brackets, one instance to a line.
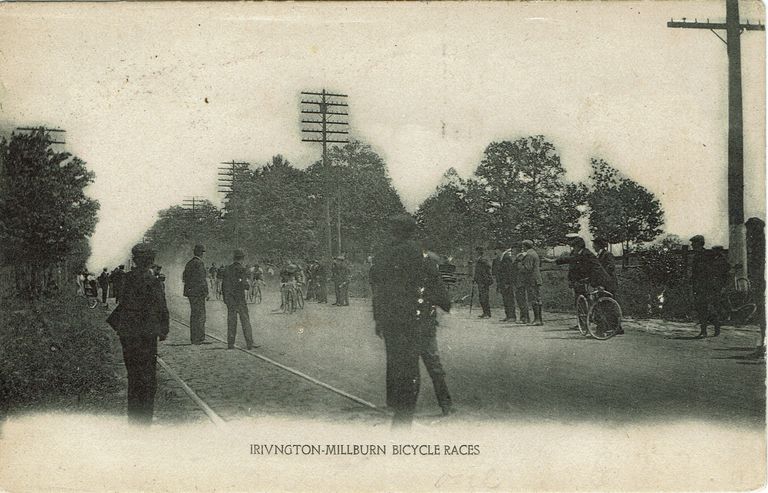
[697, 239]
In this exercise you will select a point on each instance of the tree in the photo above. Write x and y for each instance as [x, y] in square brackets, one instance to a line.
[361, 187]
[528, 198]
[621, 210]
[448, 219]
[275, 210]
[178, 229]
[44, 212]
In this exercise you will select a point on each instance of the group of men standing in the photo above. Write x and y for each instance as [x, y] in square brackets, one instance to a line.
[518, 279]
[234, 284]
[517, 274]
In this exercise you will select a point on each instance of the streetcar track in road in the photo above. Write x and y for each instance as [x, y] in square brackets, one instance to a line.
[215, 418]
[315, 381]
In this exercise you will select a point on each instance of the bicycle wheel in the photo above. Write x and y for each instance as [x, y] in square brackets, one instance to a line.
[604, 318]
[92, 302]
[290, 302]
[251, 294]
[257, 295]
[743, 314]
[582, 314]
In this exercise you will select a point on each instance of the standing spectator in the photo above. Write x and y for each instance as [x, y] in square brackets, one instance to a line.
[140, 320]
[212, 280]
[196, 290]
[321, 274]
[506, 283]
[310, 280]
[117, 277]
[530, 282]
[606, 260]
[341, 277]
[709, 273]
[234, 284]
[496, 267]
[483, 278]
[406, 288]
[104, 284]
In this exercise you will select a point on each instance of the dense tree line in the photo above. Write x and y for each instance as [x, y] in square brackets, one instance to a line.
[45, 216]
[518, 191]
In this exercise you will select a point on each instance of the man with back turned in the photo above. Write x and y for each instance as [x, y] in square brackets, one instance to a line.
[406, 288]
[234, 284]
[196, 290]
[140, 320]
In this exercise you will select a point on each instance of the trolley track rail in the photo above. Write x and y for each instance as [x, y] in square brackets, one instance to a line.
[218, 420]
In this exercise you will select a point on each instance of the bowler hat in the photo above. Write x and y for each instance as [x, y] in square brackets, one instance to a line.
[142, 250]
[697, 239]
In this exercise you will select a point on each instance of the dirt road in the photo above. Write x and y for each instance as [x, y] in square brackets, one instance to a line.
[495, 371]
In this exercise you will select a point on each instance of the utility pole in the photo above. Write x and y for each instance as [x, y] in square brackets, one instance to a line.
[44, 129]
[737, 250]
[328, 115]
[191, 204]
[229, 178]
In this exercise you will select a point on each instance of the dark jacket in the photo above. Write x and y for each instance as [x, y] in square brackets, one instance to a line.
[530, 268]
[508, 270]
[483, 275]
[142, 309]
[608, 263]
[234, 284]
[584, 265]
[709, 273]
[195, 278]
[406, 287]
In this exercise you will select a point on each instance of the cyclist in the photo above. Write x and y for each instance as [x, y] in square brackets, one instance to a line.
[288, 281]
[583, 264]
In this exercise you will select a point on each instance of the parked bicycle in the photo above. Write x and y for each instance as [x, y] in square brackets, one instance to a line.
[289, 297]
[598, 313]
[738, 303]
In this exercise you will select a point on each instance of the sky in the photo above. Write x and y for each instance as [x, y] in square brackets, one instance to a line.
[154, 96]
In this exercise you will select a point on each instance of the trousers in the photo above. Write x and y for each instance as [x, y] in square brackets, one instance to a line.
[404, 349]
[342, 293]
[197, 319]
[485, 302]
[140, 357]
[508, 295]
[233, 310]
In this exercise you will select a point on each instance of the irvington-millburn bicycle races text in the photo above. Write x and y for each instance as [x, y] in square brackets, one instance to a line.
[363, 449]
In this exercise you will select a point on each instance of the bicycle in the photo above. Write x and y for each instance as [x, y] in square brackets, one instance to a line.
[288, 295]
[299, 295]
[598, 313]
[739, 302]
[254, 292]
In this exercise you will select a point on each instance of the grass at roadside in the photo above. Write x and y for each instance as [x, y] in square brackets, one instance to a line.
[55, 354]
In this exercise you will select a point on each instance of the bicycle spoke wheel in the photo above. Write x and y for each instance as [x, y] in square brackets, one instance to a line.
[742, 314]
[605, 318]
[582, 314]
[257, 297]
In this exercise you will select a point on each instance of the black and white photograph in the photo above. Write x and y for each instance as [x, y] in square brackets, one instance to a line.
[382, 246]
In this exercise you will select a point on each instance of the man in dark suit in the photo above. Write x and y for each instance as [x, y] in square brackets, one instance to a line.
[234, 284]
[606, 259]
[406, 289]
[506, 280]
[140, 320]
[483, 278]
[709, 274]
[196, 290]
[104, 285]
[341, 277]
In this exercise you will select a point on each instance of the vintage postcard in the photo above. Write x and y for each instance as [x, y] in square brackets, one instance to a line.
[382, 246]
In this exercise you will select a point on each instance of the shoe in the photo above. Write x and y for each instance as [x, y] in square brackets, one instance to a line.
[620, 331]
[449, 410]
[504, 320]
[249, 347]
[523, 322]
[230, 347]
